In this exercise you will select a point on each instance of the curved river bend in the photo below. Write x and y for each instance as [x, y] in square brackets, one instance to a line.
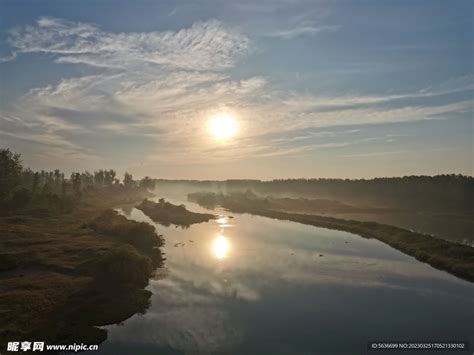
[253, 285]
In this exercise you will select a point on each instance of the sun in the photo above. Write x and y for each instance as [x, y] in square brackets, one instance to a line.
[221, 247]
[223, 126]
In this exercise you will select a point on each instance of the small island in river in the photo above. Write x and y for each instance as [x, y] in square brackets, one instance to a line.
[166, 213]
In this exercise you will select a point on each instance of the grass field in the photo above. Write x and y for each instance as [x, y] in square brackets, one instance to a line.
[63, 274]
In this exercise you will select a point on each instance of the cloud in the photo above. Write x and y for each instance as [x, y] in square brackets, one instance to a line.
[203, 46]
[163, 86]
[305, 29]
[148, 79]
[305, 102]
[8, 57]
[310, 20]
[172, 109]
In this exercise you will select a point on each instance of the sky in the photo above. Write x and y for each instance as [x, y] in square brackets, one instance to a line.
[345, 89]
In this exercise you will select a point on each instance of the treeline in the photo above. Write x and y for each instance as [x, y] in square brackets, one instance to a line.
[212, 200]
[19, 185]
[441, 192]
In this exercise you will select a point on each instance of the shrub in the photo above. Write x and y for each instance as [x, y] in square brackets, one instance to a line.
[123, 266]
[139, 234]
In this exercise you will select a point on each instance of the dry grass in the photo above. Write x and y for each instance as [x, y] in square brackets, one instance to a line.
[48, 285]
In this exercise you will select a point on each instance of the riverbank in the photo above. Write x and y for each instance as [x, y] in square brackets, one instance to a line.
[64, 274]
[454, 258]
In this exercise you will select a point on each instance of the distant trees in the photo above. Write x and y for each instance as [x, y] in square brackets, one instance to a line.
[76, 183]
[19, 186]
[128, 180]
[36, 180]
[448, 192]
[99, 177]
[109, 177]
[64, 188]
[57, 178]
[10, 172]
[104, 177]
[147, 183]
[87, 179]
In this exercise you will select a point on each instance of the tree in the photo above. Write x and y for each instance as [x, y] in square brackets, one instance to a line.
[57, 178]
[76, 182]
[99, 177]
[27, 176]
[87, 179]
[36, 181]
[10, 172]
[109, 177]
[64, 187]
[147, 183]
[128, 180]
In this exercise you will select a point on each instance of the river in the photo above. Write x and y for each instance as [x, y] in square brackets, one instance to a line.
[253, 285]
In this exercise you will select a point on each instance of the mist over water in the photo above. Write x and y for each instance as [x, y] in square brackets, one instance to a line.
[449, 225]
[253, 285]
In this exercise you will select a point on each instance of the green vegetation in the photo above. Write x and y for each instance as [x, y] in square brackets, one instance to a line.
[68, 263]
[140, 235]
[211, 200]
[441, 193]
[68, 271]
[454, 258]
[50, 192]
[114, 267]
[166, 213]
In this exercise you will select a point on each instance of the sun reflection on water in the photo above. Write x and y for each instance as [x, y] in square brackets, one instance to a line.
[221, 247]
[221, 220]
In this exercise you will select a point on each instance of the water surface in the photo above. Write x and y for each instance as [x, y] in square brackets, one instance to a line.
[253, 285]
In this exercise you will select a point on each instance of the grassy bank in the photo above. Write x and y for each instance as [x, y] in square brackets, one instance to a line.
[64, 274]
[454, 258]
[166, 213]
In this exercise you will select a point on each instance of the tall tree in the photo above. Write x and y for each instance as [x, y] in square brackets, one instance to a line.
[36, 181]
[128, 180]
[76, 182]
[10, 171]
[99, 177]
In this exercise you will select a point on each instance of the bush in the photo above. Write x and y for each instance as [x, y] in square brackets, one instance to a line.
[139, 234]
[123, 266]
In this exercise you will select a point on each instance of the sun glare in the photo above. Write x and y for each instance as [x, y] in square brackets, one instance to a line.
[221, 247]
[223, 126]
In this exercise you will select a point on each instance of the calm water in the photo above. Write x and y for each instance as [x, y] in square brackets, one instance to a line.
[458, 229]
[252, 285]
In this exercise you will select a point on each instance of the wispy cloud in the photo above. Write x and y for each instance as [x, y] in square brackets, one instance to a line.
[163, 86]
[203, 46]
[8, 57]
[455, 85]
[149, 79]
[304, 29]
